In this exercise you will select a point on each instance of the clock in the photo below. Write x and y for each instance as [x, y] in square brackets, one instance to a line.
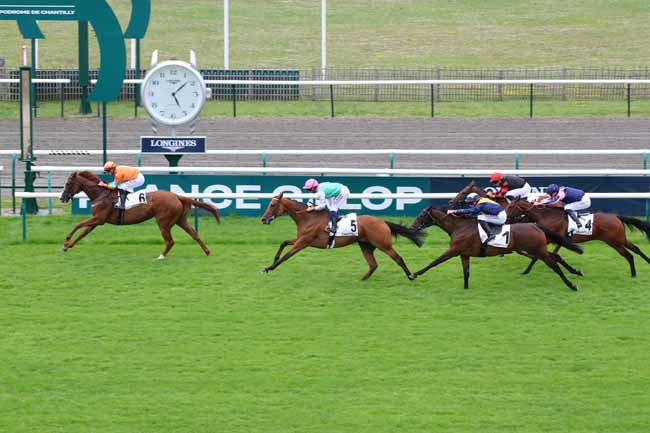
[173, 93]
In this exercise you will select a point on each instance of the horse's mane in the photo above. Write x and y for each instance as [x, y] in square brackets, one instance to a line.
[295, 201]
[89, 176]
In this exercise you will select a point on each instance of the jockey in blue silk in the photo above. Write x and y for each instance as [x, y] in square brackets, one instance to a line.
[488, 213]
[574, 199]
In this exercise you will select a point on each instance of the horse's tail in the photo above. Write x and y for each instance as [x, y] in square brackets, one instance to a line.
[415, 236]
[213, 210]
[634, 223]
[560, 240]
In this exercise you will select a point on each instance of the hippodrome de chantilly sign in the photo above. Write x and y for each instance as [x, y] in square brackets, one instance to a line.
[107, 28]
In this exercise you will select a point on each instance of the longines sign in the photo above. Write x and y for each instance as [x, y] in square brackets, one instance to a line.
[107, 28]
[177, 145]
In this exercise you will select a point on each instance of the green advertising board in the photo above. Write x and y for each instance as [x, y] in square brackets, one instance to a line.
[288, 184]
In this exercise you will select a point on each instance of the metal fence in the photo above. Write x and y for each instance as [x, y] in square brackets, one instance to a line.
[406, 92]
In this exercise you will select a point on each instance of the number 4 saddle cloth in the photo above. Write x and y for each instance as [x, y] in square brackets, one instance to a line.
[587, 221]
[501, 240]
[347, 225]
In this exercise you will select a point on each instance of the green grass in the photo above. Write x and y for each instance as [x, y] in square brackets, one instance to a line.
[104, 338]
[410, 33]
[261, 109]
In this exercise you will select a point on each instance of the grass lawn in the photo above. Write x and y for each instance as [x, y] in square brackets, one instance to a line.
[305, 108]
[105, 338]
[409, 33]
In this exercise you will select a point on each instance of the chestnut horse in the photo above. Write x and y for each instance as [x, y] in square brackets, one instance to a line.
[465, 242]
[459, 200]
[168, 208]
[372, 233]
[608, 228]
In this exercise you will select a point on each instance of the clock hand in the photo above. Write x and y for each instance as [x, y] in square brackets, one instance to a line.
[179, 89]
[176, 99]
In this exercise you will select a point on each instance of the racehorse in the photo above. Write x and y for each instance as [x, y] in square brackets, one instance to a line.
[465, 242]
[168, 208]
[471, 187]
[372, 233]
[608, 228]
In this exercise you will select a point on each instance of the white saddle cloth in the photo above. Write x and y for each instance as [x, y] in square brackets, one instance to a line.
[501, 240]
[587, 222]
[347, 225]
[135, 199]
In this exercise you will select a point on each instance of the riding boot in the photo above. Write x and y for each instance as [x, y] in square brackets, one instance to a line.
[121, 201]
[334, 219]
[489, 230]
[574, 216]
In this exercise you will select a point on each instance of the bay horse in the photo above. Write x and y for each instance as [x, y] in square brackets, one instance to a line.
[609, 228]
[459, 199]
[167, 208]
[373, 233]
[465, 242]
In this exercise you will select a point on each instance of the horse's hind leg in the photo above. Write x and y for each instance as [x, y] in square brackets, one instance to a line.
[534, 260]
[190, 231]
[567, 266]
[166, 233]
[465, 261]
[626, 254]
[552, 263]
[399, 260]
[630, 246]
[368, 253]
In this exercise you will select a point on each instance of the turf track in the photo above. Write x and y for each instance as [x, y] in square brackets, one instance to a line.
[104, 338]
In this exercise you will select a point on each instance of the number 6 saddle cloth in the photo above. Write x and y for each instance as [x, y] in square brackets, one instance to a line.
[501, 240]
[347, 225]
[587, 221]
[134, 199]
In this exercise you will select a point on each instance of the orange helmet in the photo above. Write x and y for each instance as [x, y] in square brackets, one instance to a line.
[109, 165]
[496, 176]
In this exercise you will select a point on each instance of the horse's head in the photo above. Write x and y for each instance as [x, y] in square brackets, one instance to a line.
[459, 200]
[428, 217]
[275, 209]
[517, 211]
[72, 187]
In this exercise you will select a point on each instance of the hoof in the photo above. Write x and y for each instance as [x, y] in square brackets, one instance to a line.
[412, 277]
[64, 249]
[264, 271]
[580, 273]
[207, 253]
[161, 257]
[574, 287]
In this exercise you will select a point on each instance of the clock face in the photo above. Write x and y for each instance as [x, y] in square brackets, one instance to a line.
[173, 93]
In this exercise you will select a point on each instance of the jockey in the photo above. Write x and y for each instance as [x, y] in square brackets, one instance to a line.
[510, 187]
[331, 195]
[126, 180]
[574, 199]
[489, 213]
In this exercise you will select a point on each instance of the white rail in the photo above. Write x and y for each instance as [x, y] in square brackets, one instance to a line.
[37, 80]
[365, 171]
[64, 152]
[378, 196]
[393, 82]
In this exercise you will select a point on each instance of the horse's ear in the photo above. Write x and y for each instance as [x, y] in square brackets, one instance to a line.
[472, 183]
[281, 195]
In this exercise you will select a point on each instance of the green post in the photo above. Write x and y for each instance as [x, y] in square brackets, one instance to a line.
[331, 100]
[84, 79]
[173, 160]
[49, 189]
[104, 135]
[33, 55]
[234, 102]
[531, 100]
[13, 183]
[433, 102]
[629, 100]
[26, 140]
[23, 217]
[30, 203]
[516, 161]
[263, 162]
[137, 75]
[392, 161]
[139, 159]
[62, 100]
[645, 161]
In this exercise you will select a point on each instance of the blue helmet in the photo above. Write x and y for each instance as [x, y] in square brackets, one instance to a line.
[471, 198]
[552, 189]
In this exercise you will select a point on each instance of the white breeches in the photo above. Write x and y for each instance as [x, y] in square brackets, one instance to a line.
[336, 203]
[132, 184]
[579, 205]
[499, 219]
[522, 192]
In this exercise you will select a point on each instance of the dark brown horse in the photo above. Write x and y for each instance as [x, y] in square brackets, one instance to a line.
[168, 208]
[608, 228]
[465, 242]
[372, 233]
[459, 199]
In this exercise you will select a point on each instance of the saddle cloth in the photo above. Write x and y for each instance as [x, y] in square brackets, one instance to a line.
[347, 225]
[587, 221]
[501, 240]
[134, 199]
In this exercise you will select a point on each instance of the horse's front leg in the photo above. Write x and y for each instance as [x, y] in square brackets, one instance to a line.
[298, 244]
[283, 245]
[451, 252]
[92, 222]
[83, 234]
